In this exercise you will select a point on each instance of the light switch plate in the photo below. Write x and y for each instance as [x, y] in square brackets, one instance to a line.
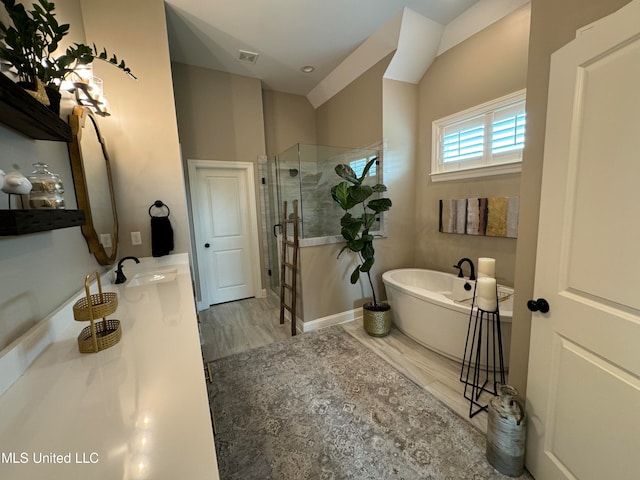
[136, 239]
[105, 240]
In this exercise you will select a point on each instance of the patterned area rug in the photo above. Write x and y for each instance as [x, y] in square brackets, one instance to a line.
[323, 406]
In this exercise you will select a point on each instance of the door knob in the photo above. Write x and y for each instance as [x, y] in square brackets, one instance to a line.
[540, 305]
[206, 245]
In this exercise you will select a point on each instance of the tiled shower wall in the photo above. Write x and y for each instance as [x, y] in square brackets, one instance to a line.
[306, 173]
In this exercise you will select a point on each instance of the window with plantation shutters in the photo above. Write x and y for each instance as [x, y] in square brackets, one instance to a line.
[484, 140]
[359, 164]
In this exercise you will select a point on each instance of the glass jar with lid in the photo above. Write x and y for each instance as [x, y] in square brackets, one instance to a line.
[47, 188]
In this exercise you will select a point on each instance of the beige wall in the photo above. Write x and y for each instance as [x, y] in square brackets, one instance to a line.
[353, 117]
[486, 66]
[288, 119]
[219, 114]
[41, 271]
[141, 134]
[400, 137]
[220, 118]
[369, 111]
[553, 24]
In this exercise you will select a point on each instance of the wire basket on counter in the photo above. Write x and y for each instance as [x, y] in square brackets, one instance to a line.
[98, 335]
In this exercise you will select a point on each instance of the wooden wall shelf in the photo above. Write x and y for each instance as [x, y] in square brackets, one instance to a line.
[22, 113]
[20, 222]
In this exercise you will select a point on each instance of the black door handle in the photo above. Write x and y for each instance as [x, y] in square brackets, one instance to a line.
[274, 229]
[206, 245]
[540, 305]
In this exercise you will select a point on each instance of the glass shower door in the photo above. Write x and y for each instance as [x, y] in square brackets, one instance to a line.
[271, 202]
[288, 170]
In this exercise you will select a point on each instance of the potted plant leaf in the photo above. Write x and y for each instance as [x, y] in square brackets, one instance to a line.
[28, 45]
[353, 193]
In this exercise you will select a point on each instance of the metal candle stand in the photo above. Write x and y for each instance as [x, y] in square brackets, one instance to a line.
[473, 354]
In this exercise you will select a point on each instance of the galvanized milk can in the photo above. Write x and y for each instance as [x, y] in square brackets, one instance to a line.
[506, 429]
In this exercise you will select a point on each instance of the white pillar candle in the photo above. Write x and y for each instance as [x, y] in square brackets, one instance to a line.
[487, 296]
[486, 267]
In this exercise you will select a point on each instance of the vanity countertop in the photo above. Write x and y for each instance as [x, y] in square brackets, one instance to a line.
[137, 410]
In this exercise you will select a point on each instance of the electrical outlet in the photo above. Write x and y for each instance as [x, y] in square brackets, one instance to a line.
[105, 240]
[136, 239]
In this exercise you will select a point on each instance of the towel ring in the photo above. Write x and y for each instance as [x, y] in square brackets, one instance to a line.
[159, 204]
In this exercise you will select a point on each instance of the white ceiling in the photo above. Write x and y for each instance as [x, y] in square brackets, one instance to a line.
[287, 34]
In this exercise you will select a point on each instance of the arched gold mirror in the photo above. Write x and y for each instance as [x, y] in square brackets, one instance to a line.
[93, 184]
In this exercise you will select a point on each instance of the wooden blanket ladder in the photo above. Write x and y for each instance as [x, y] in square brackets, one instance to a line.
[289, 265]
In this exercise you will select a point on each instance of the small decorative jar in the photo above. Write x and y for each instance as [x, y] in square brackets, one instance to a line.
[47, 188]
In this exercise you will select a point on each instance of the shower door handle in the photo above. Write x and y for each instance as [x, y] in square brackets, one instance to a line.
[274, 229]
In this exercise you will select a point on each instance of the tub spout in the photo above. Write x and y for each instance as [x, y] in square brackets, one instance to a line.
[472, 273]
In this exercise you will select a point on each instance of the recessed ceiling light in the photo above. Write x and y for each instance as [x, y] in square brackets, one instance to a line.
[308, 68]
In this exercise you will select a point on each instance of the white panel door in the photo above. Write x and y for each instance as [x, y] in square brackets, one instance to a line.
[583, 394]
[225, 250]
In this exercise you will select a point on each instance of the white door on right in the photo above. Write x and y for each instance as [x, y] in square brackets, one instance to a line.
[583, 394]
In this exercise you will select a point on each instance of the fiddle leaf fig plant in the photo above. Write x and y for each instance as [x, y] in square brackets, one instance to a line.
[350, 194]
[28, 45]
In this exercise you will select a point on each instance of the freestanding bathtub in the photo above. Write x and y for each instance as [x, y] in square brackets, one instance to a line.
[433, 308]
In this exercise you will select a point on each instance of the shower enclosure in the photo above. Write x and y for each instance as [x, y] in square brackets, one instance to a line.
[306, 173]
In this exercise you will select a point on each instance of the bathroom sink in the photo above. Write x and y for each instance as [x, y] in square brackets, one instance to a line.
[154, 277]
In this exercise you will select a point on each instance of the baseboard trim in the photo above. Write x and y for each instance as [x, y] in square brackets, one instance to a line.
[335, 319]
[201, 305]
[318, 323]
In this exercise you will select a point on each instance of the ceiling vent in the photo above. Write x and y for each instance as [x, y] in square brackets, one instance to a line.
[247, 57]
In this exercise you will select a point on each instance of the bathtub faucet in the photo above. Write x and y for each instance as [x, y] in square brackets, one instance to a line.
[472, 273]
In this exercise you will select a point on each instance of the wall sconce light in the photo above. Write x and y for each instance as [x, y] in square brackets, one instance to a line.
[91, 95]
[88, 90]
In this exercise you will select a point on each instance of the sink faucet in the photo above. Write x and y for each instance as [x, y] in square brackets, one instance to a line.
[120, 278]
[472, 273]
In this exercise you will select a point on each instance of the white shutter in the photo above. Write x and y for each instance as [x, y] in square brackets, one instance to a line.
[484, 137]
[508, 129]
[463, 140]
